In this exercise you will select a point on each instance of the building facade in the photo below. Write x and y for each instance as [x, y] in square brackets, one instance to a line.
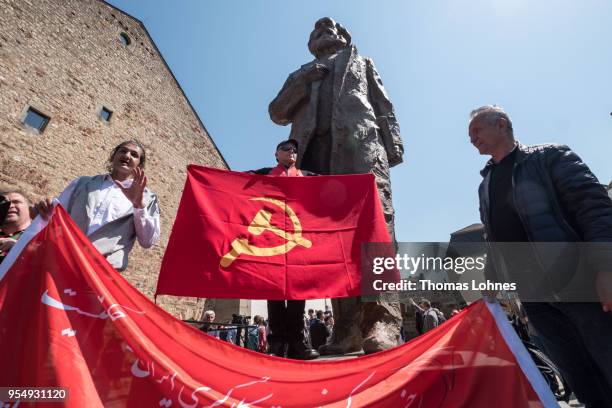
[76, 78]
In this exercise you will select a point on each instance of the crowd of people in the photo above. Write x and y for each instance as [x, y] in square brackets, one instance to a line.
[427, 316]
[317, 330]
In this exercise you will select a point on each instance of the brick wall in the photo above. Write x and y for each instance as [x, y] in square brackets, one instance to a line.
[65, 59]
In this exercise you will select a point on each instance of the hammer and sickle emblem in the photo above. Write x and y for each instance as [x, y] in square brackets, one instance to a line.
[261, 223]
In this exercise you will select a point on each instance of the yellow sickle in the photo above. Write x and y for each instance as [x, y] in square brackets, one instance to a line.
[260, 224]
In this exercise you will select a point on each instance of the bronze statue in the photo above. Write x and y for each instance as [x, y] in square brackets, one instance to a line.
[344, 123]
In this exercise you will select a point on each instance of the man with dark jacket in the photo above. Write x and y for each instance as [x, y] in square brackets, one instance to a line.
[319, 332]
[546, 194]
[285, 317]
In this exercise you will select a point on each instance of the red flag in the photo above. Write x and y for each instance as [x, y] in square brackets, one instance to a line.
[68, 319]
[241, 235]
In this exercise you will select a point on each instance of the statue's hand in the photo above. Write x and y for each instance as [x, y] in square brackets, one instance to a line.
[315, 72]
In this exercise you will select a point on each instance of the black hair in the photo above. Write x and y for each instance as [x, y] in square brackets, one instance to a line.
[143, 153]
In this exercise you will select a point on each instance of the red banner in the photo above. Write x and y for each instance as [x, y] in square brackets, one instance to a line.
[68, 319]
[241, 235]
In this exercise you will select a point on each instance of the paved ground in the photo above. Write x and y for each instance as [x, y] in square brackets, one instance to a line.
[340, 357]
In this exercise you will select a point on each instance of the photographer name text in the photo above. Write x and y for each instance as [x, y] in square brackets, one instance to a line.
[410, 285]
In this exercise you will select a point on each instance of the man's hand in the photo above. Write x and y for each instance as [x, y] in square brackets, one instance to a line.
[45, 208]
[135, 192]
[315, 72]
[603, 284]
[6, 244]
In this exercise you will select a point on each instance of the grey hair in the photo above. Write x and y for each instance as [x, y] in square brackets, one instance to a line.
[491, 115]
[209, 313]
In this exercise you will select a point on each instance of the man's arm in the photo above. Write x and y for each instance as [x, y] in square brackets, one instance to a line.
[413, 303]
[589, 207]
[385, 115]
[146, 217]
[64, 197]
[294, 91]
[6, 244]
[147, 224]
[44, 208]
[581, 195]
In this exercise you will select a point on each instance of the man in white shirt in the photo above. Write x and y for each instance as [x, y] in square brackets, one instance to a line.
[116, 208]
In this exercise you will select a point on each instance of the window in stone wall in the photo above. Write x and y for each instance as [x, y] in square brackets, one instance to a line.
[36, 120]
[125, 39]
[106, 114]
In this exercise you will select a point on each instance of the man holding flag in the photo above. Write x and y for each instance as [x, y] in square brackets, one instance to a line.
[114, 209]
[243, 235]
[285, 316]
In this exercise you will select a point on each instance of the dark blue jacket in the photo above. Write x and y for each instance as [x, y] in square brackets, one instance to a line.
[558, 199]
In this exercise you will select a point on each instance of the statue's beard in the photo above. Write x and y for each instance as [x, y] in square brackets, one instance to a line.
[328, 44]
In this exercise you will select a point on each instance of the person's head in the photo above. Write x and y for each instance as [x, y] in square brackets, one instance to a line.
[320, 314]
[258, 320]
[329, 320]
[327, 38]
[209, 316]
[425, 304]
[18, 215]
[125, 157]
[490, 129]
[286, 153]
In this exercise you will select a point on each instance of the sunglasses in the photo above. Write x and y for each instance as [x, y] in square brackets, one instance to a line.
[287, 148]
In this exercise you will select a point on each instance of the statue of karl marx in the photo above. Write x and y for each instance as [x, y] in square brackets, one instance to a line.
[344, 123]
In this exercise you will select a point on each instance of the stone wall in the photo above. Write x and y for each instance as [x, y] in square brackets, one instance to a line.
[65, 59]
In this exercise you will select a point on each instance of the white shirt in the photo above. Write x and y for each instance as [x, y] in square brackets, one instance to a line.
[112, 204]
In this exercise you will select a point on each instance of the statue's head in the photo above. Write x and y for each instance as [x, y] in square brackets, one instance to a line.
[328, 37]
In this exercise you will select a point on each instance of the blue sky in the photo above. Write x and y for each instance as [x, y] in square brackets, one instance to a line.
[547, 62]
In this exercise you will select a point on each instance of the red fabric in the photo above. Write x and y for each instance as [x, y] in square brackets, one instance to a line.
[68, 319]
[336, 213]
[280, 170]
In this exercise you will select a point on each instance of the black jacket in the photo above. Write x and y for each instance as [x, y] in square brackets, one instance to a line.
[319, 333]
[558, 199]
